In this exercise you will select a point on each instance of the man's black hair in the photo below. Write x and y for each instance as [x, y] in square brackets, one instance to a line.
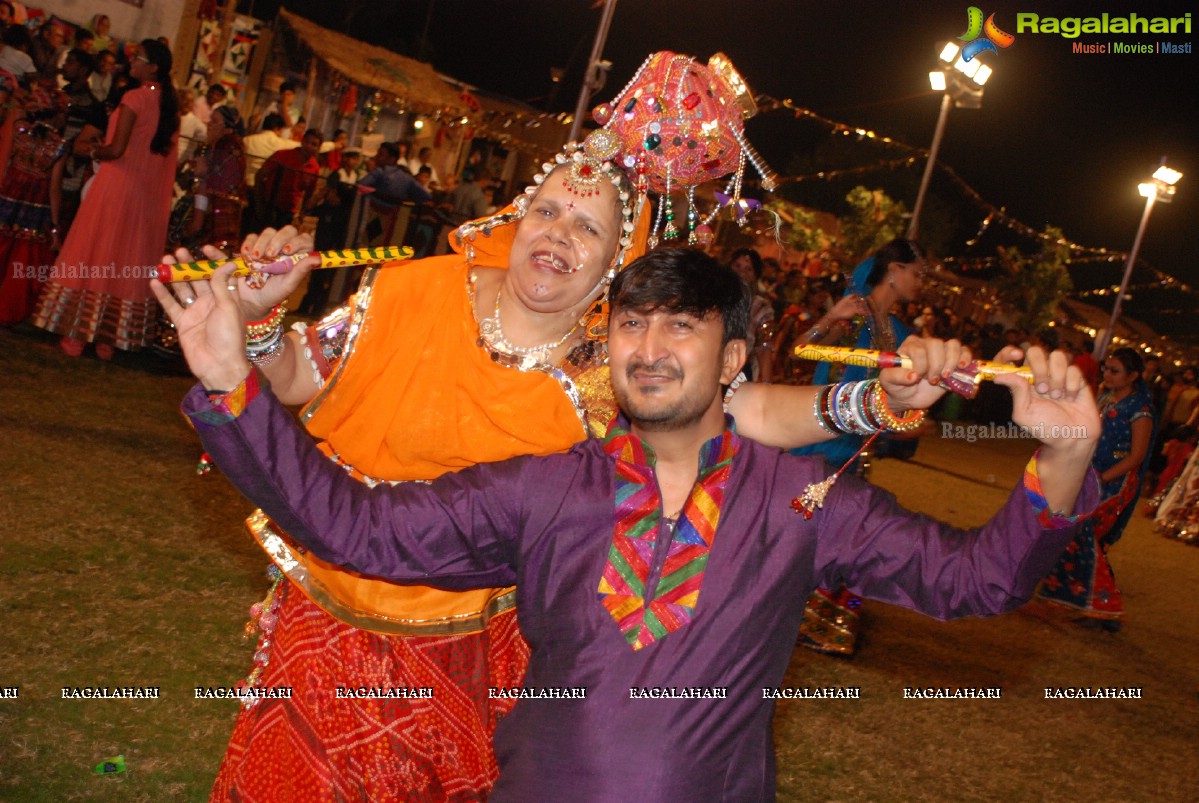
[273, 122]
[83, 59]
[391, 149]
[688, 281]
[17, 36]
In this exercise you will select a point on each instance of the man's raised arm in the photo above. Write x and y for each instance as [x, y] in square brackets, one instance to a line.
[883, 552]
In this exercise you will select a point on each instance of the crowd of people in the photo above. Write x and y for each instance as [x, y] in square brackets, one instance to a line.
[504, 348]
[103, 165]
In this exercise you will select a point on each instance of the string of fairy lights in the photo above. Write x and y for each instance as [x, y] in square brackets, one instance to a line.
[1079, 253]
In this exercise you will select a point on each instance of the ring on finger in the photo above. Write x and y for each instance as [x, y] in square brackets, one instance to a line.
[187, 302]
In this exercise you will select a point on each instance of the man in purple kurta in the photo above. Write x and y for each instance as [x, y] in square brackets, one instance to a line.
[653, 635]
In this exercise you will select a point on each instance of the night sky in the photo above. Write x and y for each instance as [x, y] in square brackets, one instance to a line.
[1061, 138]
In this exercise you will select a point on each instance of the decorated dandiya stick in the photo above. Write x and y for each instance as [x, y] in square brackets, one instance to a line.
[963, 381]
[350, 257]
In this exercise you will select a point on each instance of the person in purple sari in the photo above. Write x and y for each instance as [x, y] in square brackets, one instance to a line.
[661, 572]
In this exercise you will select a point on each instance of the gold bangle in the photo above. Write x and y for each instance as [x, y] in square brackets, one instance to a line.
[256, 330]
[911, 420]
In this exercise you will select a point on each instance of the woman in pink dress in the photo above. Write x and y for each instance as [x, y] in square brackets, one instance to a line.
[99, 290]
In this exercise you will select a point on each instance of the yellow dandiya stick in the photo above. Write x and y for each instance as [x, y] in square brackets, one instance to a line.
[351, 257]
[963, 381]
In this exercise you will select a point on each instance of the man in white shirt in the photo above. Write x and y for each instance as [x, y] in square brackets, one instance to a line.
[351, 166]
[284, 108]
[15, 55]
[192, 132]
[260, 146]
[213, 97]
[422, 160]
[101, 80]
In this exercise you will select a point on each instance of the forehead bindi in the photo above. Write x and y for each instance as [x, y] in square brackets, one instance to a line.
[596, 210]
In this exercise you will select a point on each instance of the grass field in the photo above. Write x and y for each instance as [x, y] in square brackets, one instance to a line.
[120, 567]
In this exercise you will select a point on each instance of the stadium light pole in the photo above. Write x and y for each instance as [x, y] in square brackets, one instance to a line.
[1159, 188]
[962, 83]
[596, 72]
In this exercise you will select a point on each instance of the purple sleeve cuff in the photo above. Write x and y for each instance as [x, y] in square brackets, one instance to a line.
[221, 407]
[1056, 519]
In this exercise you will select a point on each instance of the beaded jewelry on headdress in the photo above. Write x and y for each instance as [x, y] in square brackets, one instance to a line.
[588, 165]
[676, 124]
[684, 121]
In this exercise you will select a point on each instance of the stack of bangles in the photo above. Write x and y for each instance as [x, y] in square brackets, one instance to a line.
[860, 408]
[264, 339]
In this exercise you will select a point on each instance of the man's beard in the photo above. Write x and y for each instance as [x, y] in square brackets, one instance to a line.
[648, 417]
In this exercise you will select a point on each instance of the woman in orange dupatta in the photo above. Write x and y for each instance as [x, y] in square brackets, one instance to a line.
[391, 683]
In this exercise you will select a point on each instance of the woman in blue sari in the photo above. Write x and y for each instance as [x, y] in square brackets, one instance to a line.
[862, 319]
[1082, 580]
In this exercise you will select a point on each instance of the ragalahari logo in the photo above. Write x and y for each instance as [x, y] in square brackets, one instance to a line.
[991, 37]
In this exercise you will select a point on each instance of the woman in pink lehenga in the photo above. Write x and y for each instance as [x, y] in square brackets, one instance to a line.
[99, 290]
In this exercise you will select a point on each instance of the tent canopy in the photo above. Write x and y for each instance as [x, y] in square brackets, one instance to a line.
[372, 66]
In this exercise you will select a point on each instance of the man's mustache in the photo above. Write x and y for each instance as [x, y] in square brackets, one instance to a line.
[659, 368]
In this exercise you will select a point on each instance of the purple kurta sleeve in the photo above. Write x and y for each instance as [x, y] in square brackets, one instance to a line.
[457, 533]
[881, 551]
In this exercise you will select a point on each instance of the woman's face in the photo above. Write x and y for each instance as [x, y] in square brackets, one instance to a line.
[743, 266]
[908, 278]
[102, 25]
[1116, 376]
[563, 245]
[140, 67]
[216, 128]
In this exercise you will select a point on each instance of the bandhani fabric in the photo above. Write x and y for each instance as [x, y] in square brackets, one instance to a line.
[831, 621]
[628, 580]
[395, 414]
[316, 747]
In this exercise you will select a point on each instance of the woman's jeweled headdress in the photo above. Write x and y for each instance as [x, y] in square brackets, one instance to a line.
[674, 126]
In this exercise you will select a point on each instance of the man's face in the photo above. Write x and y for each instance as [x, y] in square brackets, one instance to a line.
[107, 64]
[668, 367]
[311, 144]
[285, 99]
[72, 70]
[54, 35]
[213, 96]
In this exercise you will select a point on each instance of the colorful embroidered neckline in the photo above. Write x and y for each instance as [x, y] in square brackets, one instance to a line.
[626, 576]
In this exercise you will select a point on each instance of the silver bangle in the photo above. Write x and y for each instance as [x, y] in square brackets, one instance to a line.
[267, 355]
